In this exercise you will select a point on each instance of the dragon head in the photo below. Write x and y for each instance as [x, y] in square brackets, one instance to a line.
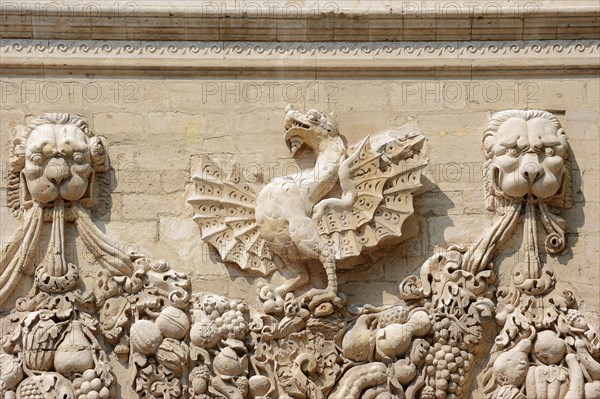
[308, 129]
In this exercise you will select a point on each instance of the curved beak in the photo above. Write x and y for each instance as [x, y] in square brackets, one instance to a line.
[296, 143]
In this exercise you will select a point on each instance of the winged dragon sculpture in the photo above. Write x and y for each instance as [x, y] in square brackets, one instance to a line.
[347, 203]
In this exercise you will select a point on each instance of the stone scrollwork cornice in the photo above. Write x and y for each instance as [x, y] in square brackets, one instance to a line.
[339, 58]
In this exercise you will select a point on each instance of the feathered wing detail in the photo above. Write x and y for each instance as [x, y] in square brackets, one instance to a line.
[384, 176]
[224, 210]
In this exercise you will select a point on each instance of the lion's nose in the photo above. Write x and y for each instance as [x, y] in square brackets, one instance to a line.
[530, 167]
[57, 170]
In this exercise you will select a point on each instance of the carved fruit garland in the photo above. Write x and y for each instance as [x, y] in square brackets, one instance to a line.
[204, 346]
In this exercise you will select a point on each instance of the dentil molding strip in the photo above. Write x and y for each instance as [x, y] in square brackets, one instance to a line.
[60, 57]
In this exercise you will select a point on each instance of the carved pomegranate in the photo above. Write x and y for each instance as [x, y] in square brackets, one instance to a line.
[74, 354]
[173, 323]
[228, 363]
[11, 371]
[46, 385]
[205, 333]
[145, 337]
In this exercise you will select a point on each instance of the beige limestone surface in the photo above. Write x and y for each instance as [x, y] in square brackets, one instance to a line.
[166, 85]
[156, 131]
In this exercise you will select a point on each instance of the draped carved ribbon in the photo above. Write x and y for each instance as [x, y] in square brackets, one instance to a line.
[106, 253]
[18, 256]
[532, 277]
[54, 273]
[480, 255]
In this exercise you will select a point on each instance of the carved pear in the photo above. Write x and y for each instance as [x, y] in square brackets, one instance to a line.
[74, 354]
[392, 342]
[358, 343]
[510, 368]
[549, 348]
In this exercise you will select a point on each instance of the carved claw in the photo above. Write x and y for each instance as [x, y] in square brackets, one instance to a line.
[272, 298]
[322, 301]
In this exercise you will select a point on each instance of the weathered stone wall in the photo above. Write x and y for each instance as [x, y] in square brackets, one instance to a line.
[157, 128]
[217, 83]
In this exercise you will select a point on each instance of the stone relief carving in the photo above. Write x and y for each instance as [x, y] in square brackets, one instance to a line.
[545, 347]
[295, 217]
[180, 344]
[54, 350]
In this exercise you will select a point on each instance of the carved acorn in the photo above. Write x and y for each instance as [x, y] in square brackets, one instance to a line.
[74, 354]
[199, 377]
[173, 323]
[145, 337]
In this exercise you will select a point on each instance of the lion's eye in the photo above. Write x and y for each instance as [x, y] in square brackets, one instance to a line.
[36, 159]
[513, 152]
[78, 158]
[312, 117]
[550, 151]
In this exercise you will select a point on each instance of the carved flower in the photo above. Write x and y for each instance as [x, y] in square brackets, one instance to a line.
[411, 288]
[314, 355]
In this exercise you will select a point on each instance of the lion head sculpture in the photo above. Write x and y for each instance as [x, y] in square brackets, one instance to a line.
[55, 156]
[527, 153]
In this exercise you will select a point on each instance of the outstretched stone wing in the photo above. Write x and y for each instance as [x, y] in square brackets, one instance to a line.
[224, 210]
[384, 172]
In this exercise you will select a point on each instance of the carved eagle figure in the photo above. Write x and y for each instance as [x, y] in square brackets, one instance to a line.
[349, 201]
